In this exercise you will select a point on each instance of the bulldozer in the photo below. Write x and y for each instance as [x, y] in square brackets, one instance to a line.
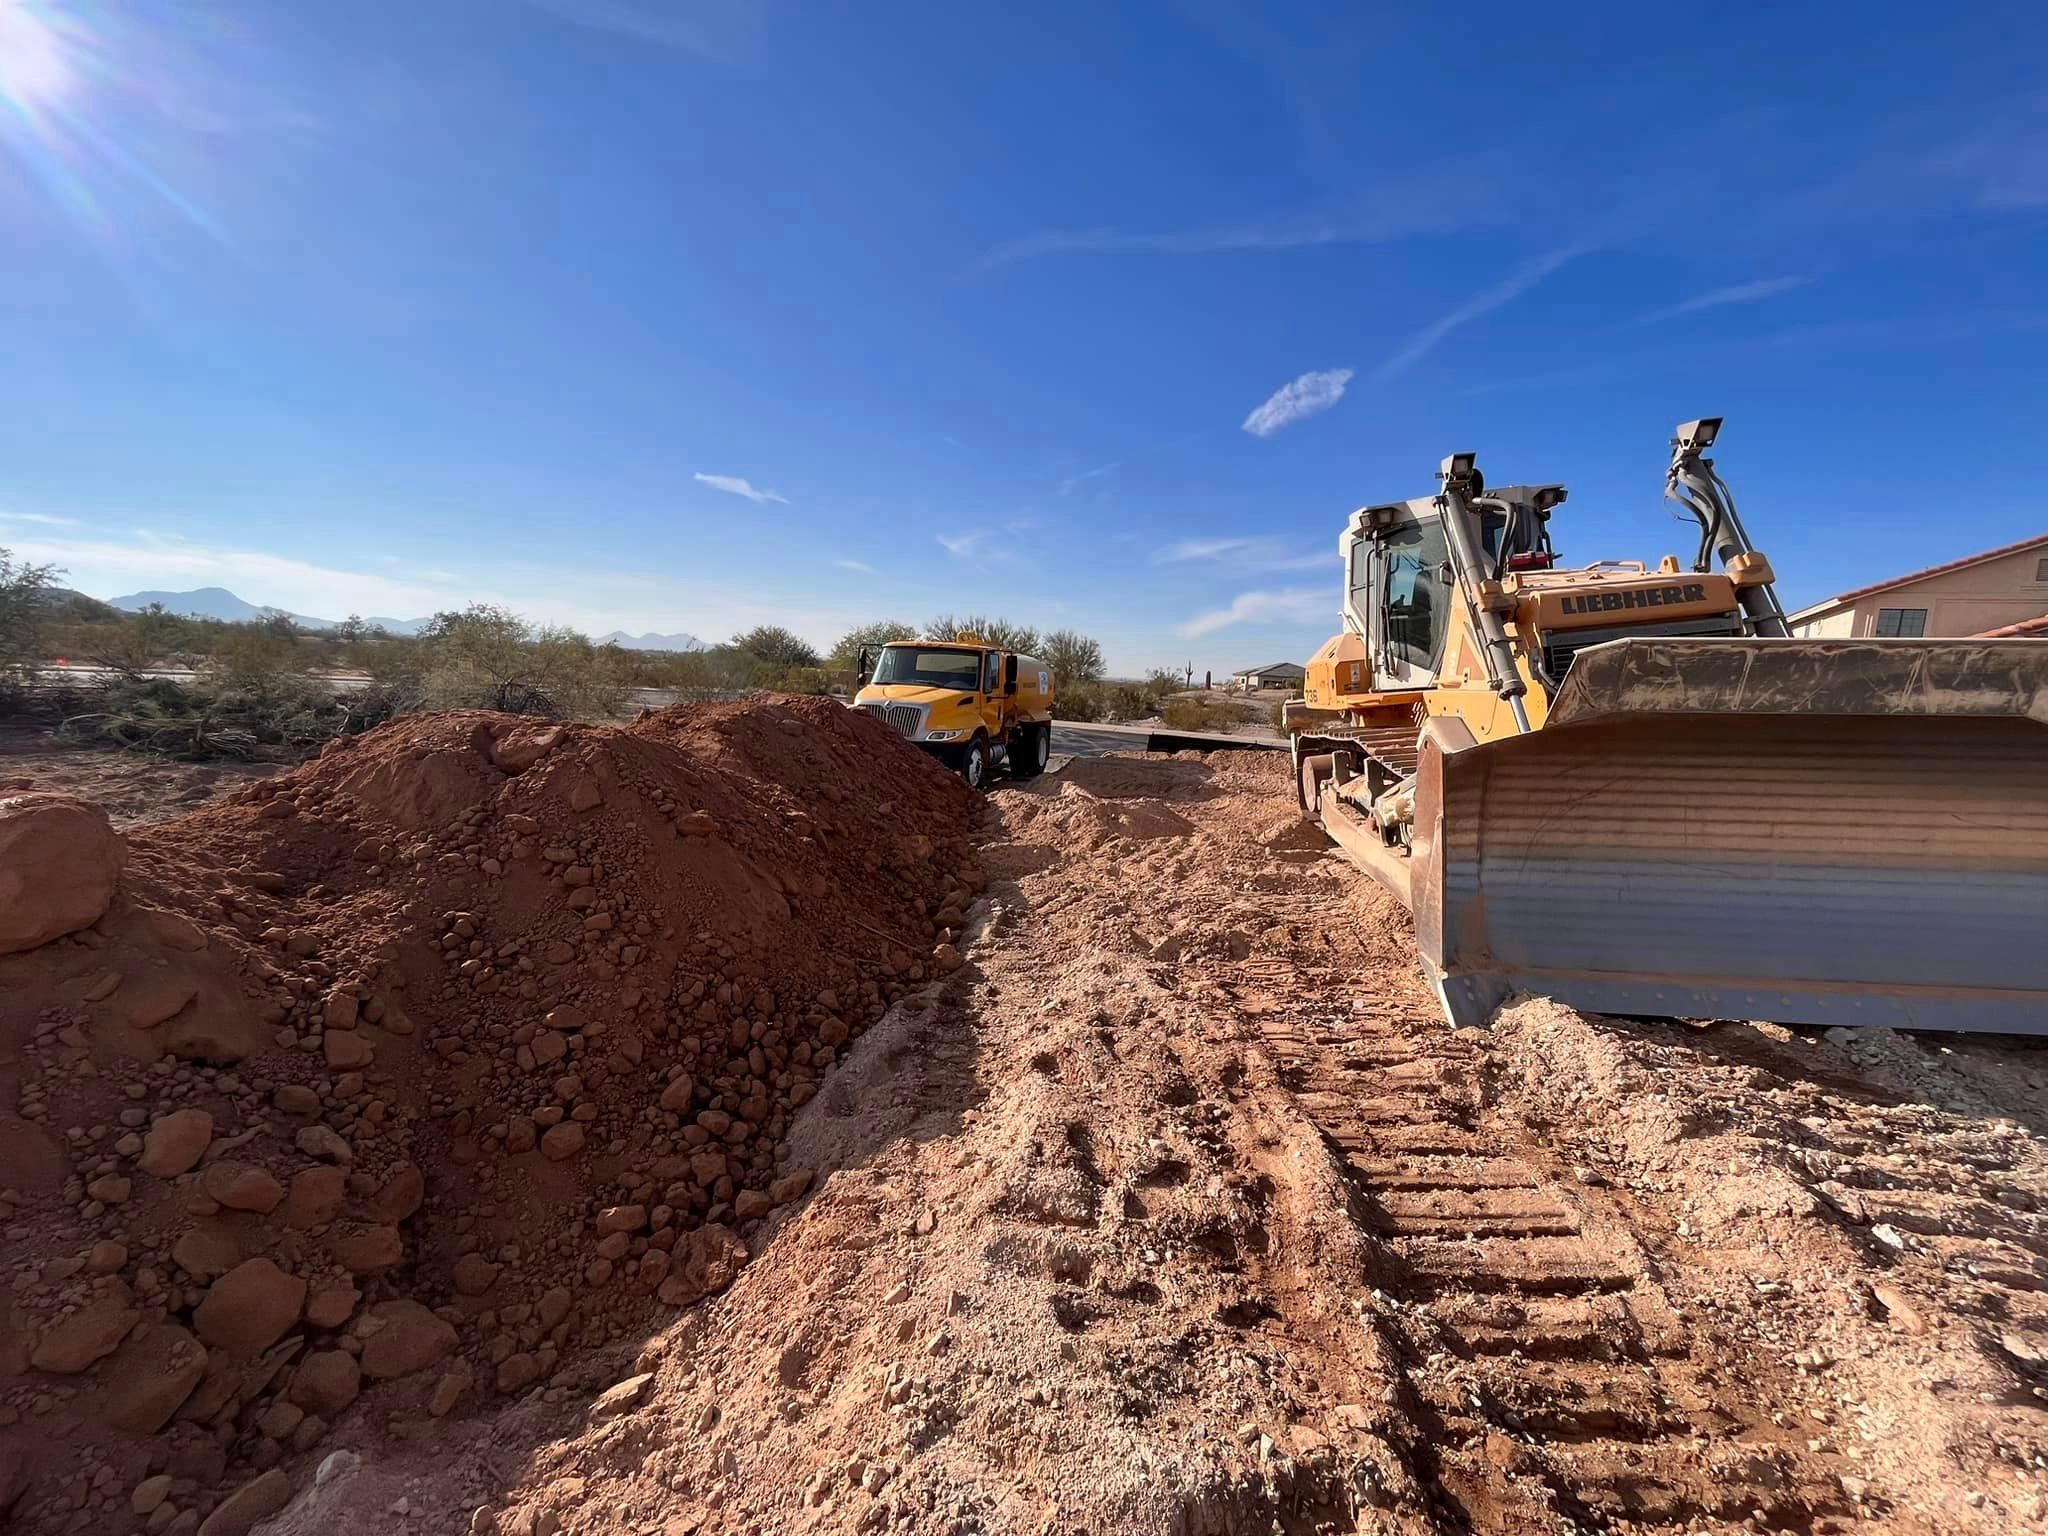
[1632, 789]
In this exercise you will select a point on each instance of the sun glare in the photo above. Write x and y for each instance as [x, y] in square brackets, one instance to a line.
[36, 73]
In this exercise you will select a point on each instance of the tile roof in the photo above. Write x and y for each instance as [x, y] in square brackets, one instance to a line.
[2039, 539]
[2025, 627]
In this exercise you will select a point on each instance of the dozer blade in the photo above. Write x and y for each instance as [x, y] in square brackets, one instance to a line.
[1815, 832]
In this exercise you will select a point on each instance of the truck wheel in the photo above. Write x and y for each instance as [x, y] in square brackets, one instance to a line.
[974, 763]
[1030, 751]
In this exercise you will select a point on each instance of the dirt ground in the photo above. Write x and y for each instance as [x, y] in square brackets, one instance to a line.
[133, 788]
[1177, 1209]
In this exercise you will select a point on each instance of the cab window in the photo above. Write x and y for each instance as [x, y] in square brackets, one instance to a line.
[1417, 595]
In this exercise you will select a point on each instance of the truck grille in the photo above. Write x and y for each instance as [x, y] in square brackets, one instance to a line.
[903, 719]
[1563, 646]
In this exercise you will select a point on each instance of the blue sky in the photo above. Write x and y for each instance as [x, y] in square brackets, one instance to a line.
[691, 314]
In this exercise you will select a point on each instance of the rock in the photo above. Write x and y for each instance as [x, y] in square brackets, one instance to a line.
[150, 1492]
[749, 1204]
[790, 1186]
[151, 1377]
[89, 1334]
[704, 1264]
[249, 1308]
[205, 1252]
[345, 1050]
[172, 930]
[448, 1391]
[622, 1218]
[567, 1018]
[517, 1372]
[241, 1187]
[562, 1141]
[327, 1382]
[521, 1134]
[549, 1047]
[553, 1306]
[474, 1274]
[364, 1250]
[315, 1197]
[175, 1143]
[333, 1306]
[408, 1338]
[340, 1010]
[255, 1500]
[106, 1258]
[675, 1098]
[947, 958]
[584, 795]
[110, 1189]
[1904, 1316]
[296, 1099]
[334, 1465]
[155, 997]
[401, 1195]
[326, 1144]
[59, 859]
[615, 1400]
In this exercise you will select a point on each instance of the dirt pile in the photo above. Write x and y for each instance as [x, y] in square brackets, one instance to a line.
[411, 1074]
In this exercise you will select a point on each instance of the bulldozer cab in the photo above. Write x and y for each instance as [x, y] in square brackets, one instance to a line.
[1402, 584]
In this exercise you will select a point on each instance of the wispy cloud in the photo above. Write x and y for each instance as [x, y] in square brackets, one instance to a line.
[1306, 396]
[855, 565]
[1480, 304]
[1294, 605]
[1734, 293]
[40, 519]
[719, 29]
[1068, 485]
[1395, 210]
[734, 485]
[961, 545]
[1196, 549]
[1244, 553]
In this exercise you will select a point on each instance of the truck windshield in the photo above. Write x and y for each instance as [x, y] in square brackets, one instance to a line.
[929, 665]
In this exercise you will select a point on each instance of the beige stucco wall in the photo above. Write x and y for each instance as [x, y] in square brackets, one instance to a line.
[1965, 602]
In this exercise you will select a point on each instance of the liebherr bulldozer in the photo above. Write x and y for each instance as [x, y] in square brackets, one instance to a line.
[1633, 790]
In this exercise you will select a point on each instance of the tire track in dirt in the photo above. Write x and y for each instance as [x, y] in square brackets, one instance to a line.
[1553, 1384]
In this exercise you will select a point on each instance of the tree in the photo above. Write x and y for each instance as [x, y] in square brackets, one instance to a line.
[23, 602]
[869, 637]
[1073, 658]
[998, 632]
[776, 647]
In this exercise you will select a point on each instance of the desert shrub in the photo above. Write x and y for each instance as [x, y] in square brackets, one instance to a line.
[1186, 714]
[23, 608]
[1078, 701]
[776, 647]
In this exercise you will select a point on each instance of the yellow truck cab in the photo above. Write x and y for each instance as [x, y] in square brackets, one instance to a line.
[970, 704]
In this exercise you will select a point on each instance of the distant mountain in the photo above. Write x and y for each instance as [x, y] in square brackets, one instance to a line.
[620, 638]
[220, 603]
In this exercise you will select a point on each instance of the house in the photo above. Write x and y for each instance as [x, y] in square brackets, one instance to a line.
[1281, 674]
[1972, 596]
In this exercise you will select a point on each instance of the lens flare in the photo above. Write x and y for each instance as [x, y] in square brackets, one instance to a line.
[88, 130]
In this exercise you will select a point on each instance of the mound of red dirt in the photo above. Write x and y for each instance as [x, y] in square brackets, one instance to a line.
[409, 1073]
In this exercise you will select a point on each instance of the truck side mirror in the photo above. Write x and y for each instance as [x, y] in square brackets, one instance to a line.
[1010, 675]
[863, 668]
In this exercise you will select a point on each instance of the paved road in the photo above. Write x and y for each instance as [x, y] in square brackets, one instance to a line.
[1101, 740]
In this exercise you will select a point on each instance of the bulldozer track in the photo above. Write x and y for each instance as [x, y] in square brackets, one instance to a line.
[1556, 1385]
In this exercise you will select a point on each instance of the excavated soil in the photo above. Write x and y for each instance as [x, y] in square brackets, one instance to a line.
[1174, 1208]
